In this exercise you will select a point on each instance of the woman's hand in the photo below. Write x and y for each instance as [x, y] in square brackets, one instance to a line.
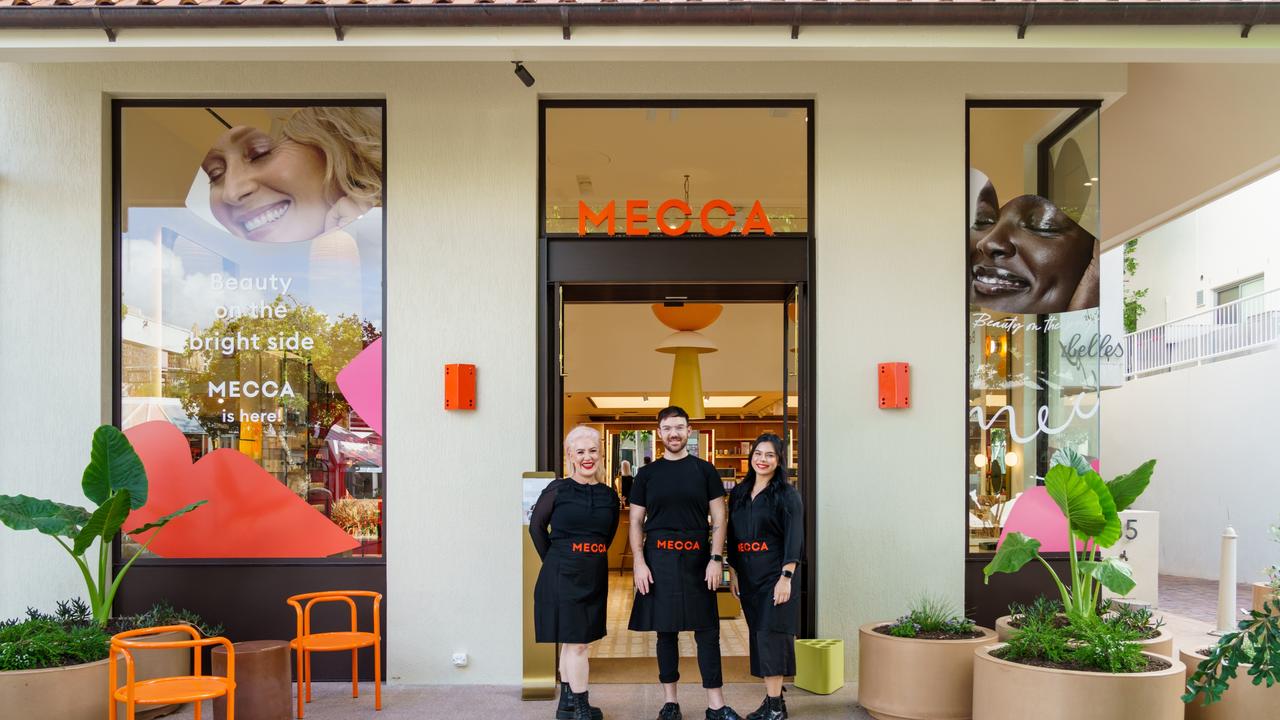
[643, 578]
[782, 591]
[344, 212]
[733, 583]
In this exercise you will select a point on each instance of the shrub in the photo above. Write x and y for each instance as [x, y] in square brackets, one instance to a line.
[931, 615]
[68, 637]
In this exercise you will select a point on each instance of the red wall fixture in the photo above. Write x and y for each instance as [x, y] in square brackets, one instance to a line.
[895, 385]
[459, 387]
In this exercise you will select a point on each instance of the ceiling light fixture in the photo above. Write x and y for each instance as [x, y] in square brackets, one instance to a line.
[525, 76]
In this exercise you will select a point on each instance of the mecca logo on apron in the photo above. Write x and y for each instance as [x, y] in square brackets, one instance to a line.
[684, 545]
[753, 547]
[593, 548]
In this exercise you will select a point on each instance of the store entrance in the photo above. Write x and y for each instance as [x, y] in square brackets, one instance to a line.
[676, 266]
[613, 369]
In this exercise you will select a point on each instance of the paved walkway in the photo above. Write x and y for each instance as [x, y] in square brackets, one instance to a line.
[1188, 605]
[333, 701]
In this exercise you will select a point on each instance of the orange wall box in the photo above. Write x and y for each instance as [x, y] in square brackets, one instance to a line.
[459, 387]
[895, 385]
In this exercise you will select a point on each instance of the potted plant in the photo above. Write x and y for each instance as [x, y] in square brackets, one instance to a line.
[921, 665]
[1048, 663]
[1253, 647]
[116, 483]
[1269, 592]
[1150, 631]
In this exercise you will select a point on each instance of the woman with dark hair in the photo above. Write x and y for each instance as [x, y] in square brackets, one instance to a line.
[766, 535]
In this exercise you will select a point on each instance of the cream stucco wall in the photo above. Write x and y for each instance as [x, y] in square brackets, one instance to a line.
[461, 288]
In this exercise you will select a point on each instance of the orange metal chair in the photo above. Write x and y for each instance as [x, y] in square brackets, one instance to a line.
[170, 690]
[308, 642]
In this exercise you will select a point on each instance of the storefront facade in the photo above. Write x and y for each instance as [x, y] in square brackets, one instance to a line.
[462, 285]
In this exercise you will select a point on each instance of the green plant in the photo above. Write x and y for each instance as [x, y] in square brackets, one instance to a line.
[1039, 637]
[1255, 642]
[1133, 308]
[1091, 507]
[116, 482]
[1106, 647]
[930, 614]
[68, 637]
[1138, 620]
[162, 613]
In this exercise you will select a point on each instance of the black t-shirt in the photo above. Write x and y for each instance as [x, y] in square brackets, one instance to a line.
[567, 509]
[676, 494]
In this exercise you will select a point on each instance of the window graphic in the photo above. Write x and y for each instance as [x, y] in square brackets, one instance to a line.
[250, 251]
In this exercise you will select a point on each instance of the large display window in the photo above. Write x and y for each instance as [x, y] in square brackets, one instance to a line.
[249, 257]
[1034, 346]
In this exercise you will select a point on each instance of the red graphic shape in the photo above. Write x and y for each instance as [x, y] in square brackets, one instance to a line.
[361, 384]
[250, 514]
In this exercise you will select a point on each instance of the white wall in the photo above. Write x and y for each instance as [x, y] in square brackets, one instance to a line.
[1212, 430]
[1232, 238]
[461, 257]
[1182, 135]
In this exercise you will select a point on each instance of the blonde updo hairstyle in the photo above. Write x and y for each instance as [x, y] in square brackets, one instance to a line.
[578, 434]
[350, 138]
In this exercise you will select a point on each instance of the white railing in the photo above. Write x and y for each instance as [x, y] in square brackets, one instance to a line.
[1243, 325]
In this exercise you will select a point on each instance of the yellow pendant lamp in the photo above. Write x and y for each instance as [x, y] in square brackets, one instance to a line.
[686, 344]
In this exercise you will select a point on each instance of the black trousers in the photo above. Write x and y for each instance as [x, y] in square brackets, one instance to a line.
[708, 657]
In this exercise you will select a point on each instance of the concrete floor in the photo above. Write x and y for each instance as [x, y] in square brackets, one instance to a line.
[1188, 606]
[333, 701]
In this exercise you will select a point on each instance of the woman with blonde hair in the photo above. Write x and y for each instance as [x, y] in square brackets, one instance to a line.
[572, 525]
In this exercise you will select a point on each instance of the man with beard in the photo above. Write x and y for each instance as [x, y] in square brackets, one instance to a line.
[678, 563]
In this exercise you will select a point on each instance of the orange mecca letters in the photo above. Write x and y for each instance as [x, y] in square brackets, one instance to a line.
[585, 215]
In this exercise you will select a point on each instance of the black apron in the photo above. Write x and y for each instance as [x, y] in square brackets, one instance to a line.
[758, 564]
[572, 591]
[678, 599]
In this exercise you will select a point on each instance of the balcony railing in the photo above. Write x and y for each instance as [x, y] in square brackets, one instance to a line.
[1246, 324]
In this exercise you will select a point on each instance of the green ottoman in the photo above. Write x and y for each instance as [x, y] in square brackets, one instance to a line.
[820, 665]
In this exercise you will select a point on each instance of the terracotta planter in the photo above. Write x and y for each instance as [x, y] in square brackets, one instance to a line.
[913, 679]
[73, 692]
[1263, 593]
[1242, 701]
[1003, 690]
[1161, 644]
[151, 664]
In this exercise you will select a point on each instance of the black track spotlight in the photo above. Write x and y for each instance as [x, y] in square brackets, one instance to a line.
[525, 76]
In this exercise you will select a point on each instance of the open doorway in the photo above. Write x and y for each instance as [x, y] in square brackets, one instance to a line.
[658, 204]
[618, 372]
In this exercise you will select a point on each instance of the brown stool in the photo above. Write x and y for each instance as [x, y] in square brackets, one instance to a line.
[263, 684]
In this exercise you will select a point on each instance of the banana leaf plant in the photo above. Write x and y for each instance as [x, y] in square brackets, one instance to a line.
[1092, 509]
[116, 482]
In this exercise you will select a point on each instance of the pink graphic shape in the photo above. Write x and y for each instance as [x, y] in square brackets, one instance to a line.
[361, 384]
[1036, 515]
[249, 513]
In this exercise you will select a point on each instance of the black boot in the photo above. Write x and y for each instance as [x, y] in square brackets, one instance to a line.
[582, 708]
[670, 711]
[723, 713]
[566, 708]
[771, 709]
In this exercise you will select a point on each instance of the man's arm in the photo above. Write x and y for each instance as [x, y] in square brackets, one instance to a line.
[635, 534]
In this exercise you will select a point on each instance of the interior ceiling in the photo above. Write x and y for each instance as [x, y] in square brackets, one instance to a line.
[739, 154]
[609, 350]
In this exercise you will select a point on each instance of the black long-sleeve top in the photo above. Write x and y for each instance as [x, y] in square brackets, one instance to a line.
[776, 514]
[569, 509]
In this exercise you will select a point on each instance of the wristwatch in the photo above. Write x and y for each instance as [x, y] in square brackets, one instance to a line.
[718, 558]
[787, 573]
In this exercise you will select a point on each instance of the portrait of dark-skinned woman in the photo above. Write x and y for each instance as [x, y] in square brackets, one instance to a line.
[1029, 257]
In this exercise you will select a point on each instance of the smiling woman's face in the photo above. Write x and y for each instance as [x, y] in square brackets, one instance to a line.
[1026, 259]
[267, 190]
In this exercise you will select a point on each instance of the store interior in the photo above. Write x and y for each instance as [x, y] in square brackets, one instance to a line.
[619, 374]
